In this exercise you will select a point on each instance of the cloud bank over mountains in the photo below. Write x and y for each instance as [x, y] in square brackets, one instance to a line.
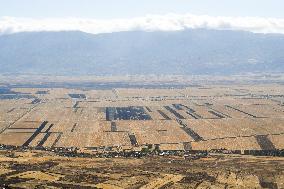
[169, 22]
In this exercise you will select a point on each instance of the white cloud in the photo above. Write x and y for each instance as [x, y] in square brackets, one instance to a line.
[169, 22]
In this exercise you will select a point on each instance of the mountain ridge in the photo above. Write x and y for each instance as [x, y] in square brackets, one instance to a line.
[196, 51]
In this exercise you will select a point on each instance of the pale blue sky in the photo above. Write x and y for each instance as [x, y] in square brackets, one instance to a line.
[109, 9]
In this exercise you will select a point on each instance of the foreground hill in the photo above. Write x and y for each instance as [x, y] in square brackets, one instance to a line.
[182, 52]
[42, 169]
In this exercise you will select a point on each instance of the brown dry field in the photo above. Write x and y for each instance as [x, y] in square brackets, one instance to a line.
[38, 169]
[232, 117]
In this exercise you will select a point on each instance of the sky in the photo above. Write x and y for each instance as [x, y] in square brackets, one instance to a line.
[101, 16]
[109, 9]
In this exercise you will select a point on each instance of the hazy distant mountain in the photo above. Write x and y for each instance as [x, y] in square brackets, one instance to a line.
[183, 52]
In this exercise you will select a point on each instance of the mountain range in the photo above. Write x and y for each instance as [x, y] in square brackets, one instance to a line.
[195, 51]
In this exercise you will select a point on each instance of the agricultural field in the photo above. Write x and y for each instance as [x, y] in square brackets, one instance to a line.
[202, 117]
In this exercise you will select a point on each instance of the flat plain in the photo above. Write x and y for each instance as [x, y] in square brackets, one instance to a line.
[231, 117]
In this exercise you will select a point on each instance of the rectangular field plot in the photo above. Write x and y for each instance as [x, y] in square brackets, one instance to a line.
[225, 128]
[173, 146]
[53, 114]
[229, 111]
[154, 132]
[259, 142]
[127, 113]
[101, 139]
[15, 139]
[240, 143]
[91, 127]
[262, 110]
[13, 114]
[19, 130]
[22, 127]
[77, 96]
[79, 126]
[92, 114]
[25, 125]
[271, 125]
